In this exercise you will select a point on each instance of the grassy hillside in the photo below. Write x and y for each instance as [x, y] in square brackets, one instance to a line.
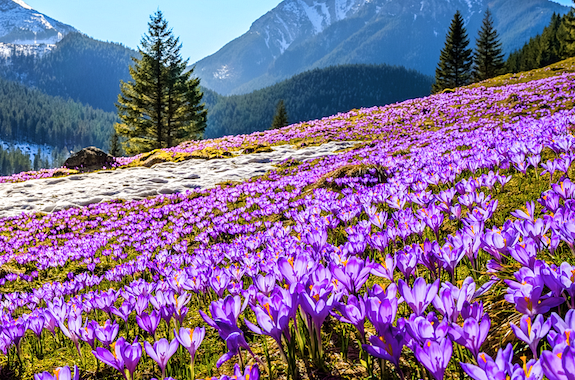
[313, 95]
[440, 246]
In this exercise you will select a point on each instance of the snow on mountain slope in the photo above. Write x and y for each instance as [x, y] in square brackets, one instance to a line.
[300, 35]
[29, 149]
[20, 24]
[38, 50]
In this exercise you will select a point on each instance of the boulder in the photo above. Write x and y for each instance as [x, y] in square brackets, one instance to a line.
[90, 158]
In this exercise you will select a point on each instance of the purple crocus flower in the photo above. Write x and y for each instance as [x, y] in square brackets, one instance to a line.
[387, 345]
[559, 364]
[225, 314]
[489, 369]
[265, 284]
[354, 273]
[318, 303]
[273, 316]
[295, 270]
[550, 201]
[528, 213]
[88, 333]
[531, 332]
[472, 334]
[451, 300]
[123, 356]
[190, 339]
[385, 269]
[107, 333]
[73, 330]
[161, 352]
[60, 373]
[529, 300]
[407, 261]
[530, 370]
[435, 356]
[149, 322]
[425, 328]
[420, 296]
[123, 311]
[354, 313]
[36, 324]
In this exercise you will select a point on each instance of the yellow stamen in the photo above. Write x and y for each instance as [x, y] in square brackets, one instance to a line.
[113, 347]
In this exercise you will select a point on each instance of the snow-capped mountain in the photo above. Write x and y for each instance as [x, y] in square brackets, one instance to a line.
[22, 25]
[299, 35]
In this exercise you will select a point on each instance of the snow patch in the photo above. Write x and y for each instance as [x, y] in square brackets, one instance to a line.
[223, 73]
[6, 49]
[283, 43]
[22, 4]
[314, 16]
[27, 26]
[29, 149]
[342, 7]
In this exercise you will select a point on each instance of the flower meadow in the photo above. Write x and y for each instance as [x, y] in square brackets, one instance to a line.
[445, 250]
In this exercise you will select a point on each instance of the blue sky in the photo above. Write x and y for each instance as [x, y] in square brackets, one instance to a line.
[204, 26]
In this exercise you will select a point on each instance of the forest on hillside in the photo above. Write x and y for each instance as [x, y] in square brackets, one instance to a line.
[29, 115]
[79, 67]
[544, 49]
[312, 95]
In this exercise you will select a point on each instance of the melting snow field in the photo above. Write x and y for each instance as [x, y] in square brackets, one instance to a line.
[53, 194]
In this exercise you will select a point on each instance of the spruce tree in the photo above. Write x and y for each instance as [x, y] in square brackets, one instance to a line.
[280, 118]
[115, 148]
[454, 68]
[161, 106]
[488, 52]
[567, 35]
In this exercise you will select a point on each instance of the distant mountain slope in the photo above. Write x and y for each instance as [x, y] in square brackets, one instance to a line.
[28, 115]
[299, 35]
[80, 68]
[313, 95]
[20, 24]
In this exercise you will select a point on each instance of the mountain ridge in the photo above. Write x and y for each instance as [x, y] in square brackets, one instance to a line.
[21, 24]
[296, 36]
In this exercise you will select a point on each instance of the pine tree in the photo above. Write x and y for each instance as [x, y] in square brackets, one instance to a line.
[567, 34]
[488, 55]
[281, 117]
[115, 149]
[162, 106]
[454, 68]
[37, 160]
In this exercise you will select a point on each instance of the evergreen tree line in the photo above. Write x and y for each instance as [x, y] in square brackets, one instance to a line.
[459, 65]
[28, 115]
[312, 95]
[14, 161]
[554, 44]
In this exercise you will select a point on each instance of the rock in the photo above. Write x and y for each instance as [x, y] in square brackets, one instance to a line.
[90, 158]
[62, 172]
[259, 161]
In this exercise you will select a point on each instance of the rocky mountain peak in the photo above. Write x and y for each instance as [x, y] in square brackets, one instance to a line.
[21, 24]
